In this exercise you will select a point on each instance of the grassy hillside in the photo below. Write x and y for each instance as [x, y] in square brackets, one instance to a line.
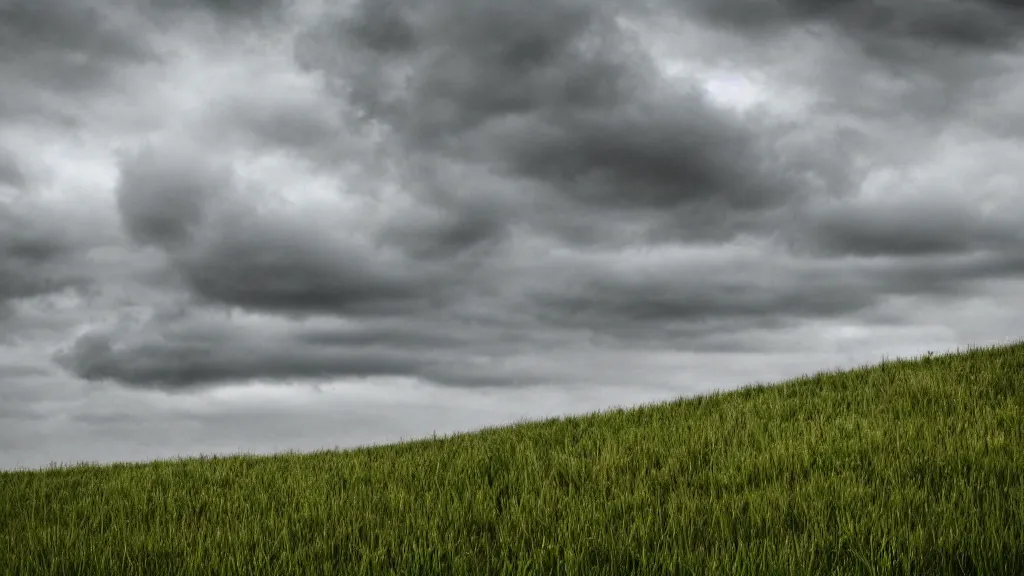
[908, 467]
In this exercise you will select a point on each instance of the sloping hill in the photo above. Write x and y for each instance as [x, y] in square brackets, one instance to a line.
[908, 467]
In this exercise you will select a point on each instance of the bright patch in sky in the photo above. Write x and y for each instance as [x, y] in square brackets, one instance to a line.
[733, 90]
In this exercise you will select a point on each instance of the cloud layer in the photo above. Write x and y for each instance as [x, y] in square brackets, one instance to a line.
[479, 194]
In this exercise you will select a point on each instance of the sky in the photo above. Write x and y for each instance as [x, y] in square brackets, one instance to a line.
[269, 225]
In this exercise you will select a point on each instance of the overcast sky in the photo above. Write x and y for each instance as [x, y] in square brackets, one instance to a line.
[262, 225]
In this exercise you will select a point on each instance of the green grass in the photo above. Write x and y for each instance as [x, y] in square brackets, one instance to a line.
[909, 467]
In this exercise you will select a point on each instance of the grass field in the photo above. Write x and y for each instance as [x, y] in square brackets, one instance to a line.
[908, 467]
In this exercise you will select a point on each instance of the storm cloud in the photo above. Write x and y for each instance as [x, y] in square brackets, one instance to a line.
[491, 198]
[52, 50]
[985, 25]
[232, 9]
[34, 255]
[554, 94]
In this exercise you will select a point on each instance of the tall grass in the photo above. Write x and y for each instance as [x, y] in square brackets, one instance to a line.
[909, 467]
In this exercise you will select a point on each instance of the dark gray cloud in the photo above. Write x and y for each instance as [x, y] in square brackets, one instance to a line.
[227, 252]
[450, 231]
[397, 334]
[678, 152]
[283, 267]
[229, 9]
[163, 196]
[194, 358]
[66, 46]
[301, 126]
[702, 293]
[470, 48]
[911, 228]
[555, 94]
[458, 213]
[737, 293]
[56, 55]
[973, 24]
[189, 351]
[61, 30]
[34, 254]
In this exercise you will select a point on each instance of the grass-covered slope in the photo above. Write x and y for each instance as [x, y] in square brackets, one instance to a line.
[909, 467]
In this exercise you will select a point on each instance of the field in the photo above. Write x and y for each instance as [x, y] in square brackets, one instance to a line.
[907, 467]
